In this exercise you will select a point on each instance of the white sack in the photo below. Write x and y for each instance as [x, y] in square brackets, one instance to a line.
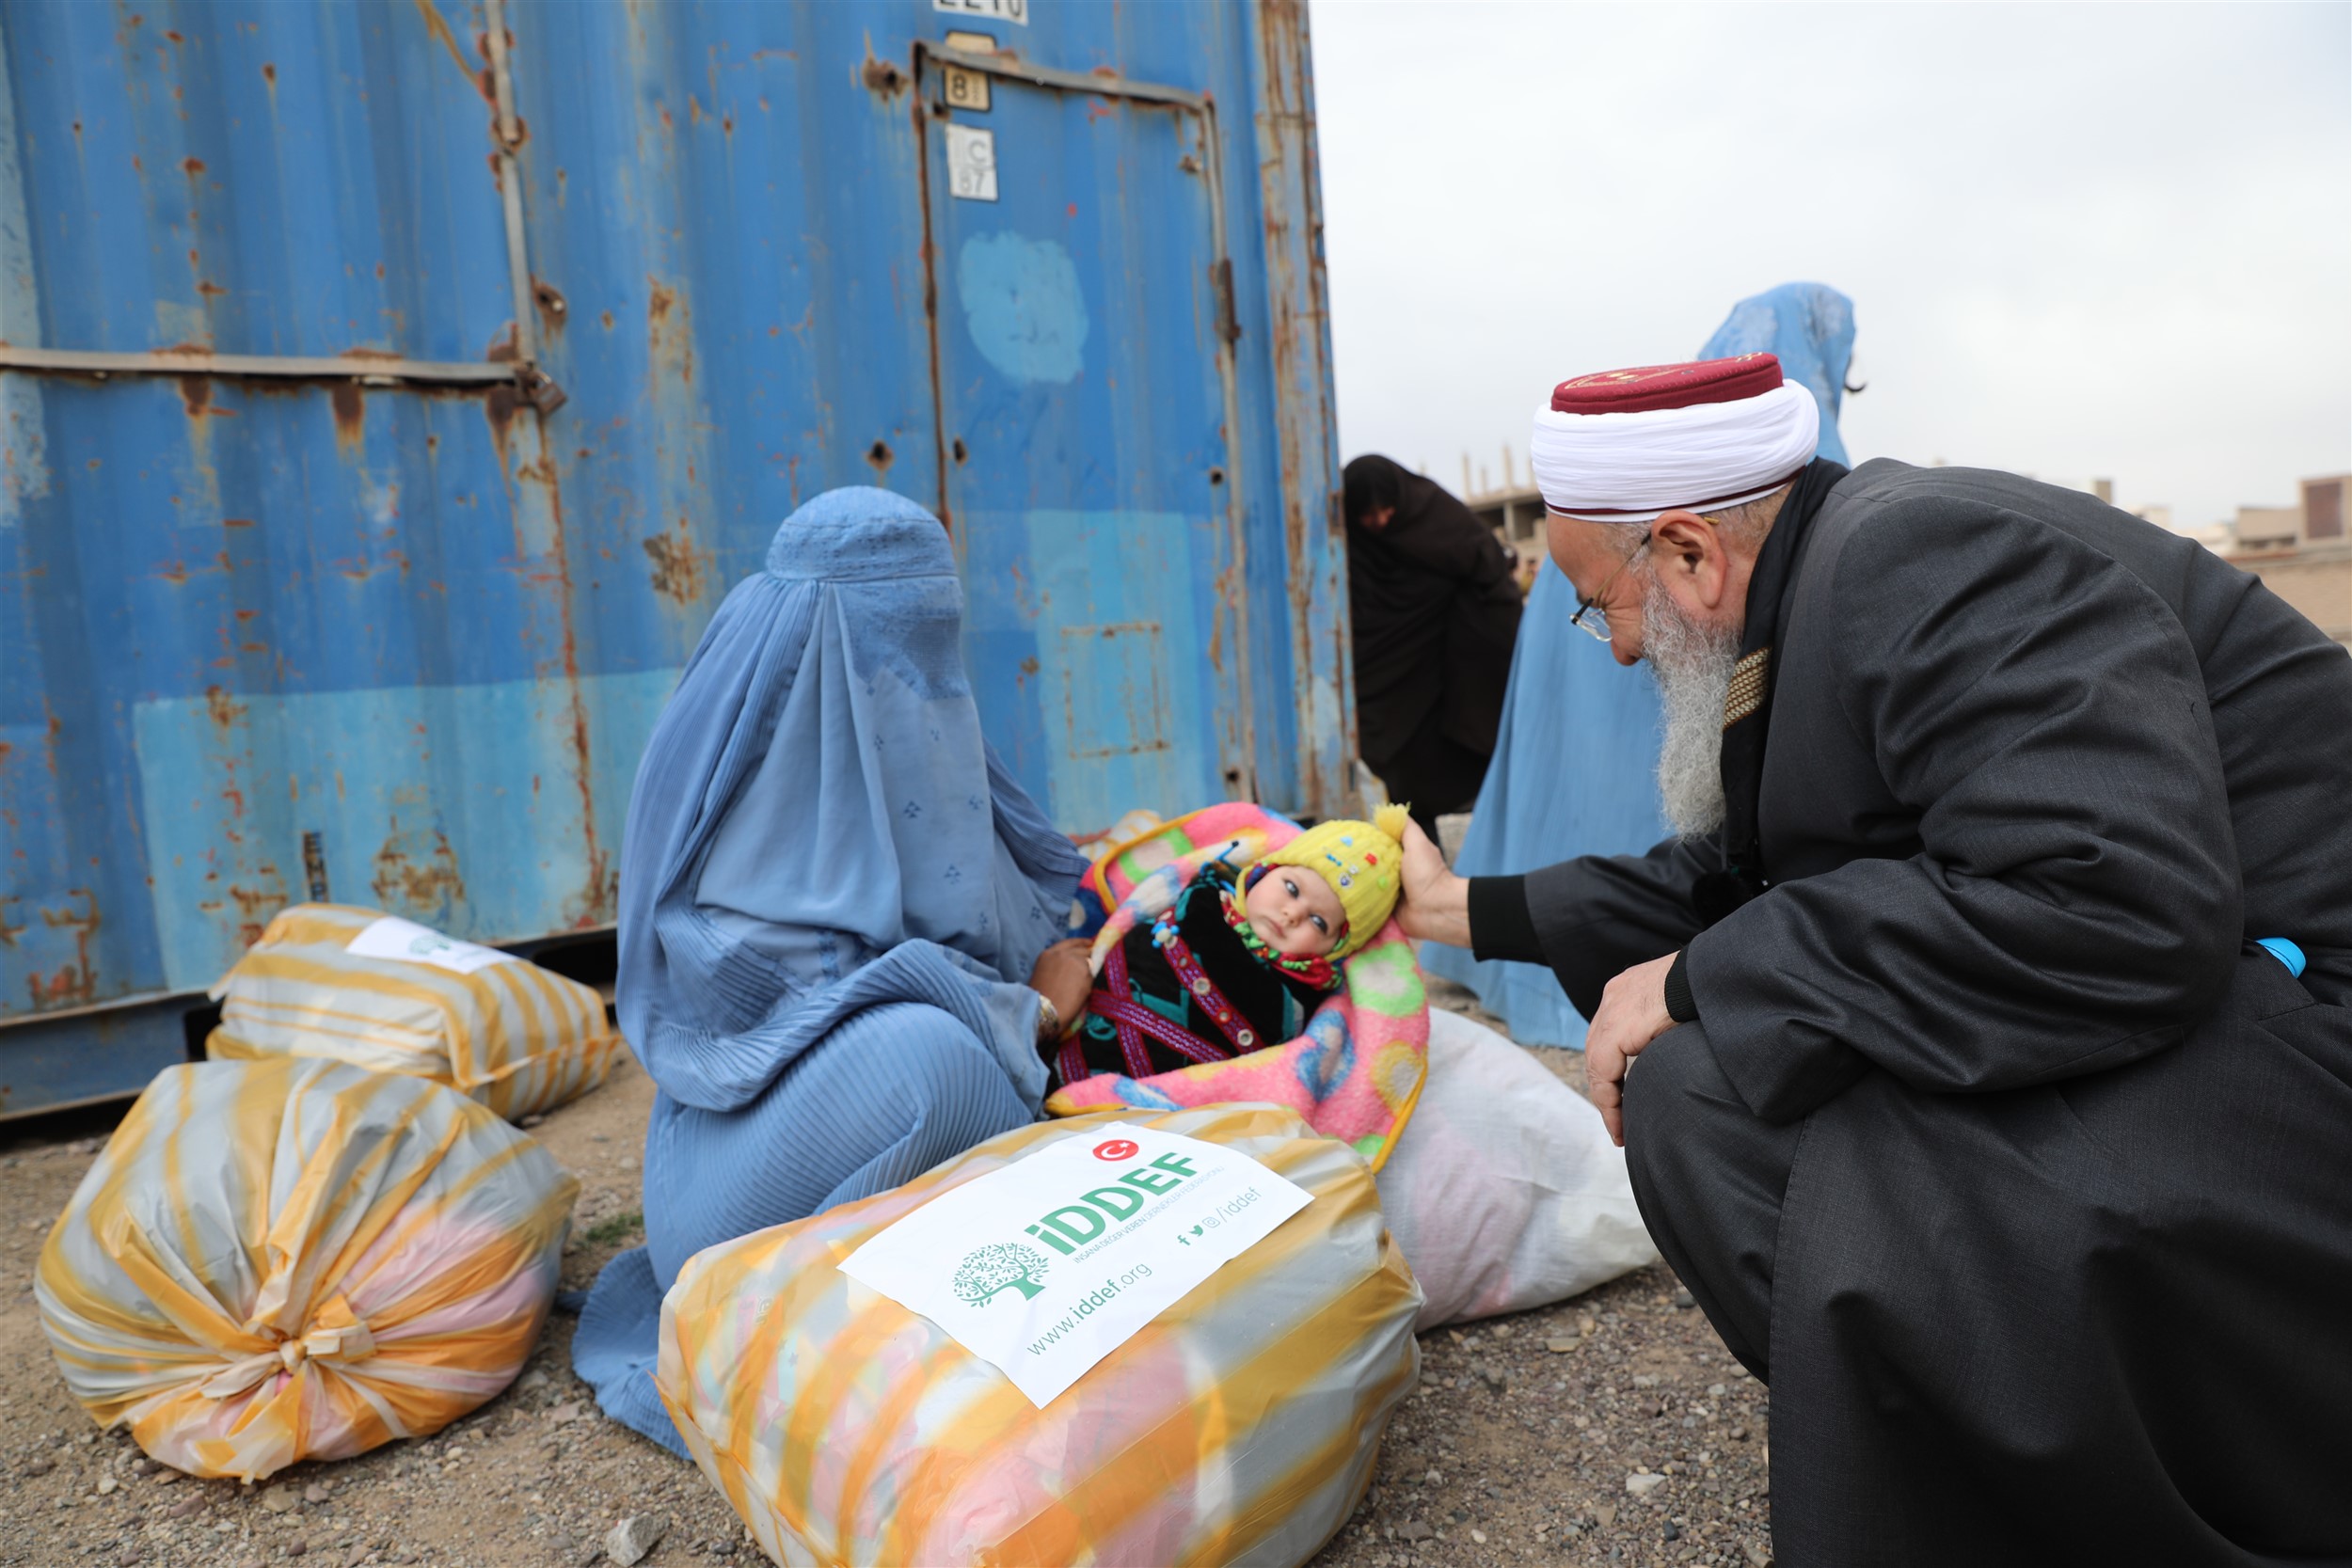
[1505, 1192]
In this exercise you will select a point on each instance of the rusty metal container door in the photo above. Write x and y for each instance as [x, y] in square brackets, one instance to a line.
[1085, 381]
[312, 582]
[279, 619]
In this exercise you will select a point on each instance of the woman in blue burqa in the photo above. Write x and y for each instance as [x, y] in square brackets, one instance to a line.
[831, 895]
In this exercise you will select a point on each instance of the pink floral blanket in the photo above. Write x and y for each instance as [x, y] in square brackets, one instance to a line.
[1357, 1071]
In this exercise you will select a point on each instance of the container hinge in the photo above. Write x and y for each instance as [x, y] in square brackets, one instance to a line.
[1227, 319]
[314, 865]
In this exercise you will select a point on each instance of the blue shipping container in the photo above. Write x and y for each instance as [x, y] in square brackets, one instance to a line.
[391, 390]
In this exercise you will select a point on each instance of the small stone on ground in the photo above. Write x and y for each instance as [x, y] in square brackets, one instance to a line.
[635, 1536]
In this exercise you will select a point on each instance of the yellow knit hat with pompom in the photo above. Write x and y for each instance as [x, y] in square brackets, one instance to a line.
[1364, 863]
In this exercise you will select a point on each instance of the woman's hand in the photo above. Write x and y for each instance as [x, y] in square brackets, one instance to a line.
[1434, 905]
[1063, 976]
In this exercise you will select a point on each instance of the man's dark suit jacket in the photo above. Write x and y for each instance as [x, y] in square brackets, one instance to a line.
[2063, 1263]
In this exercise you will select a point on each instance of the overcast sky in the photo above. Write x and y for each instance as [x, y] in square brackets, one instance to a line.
[2097, 240]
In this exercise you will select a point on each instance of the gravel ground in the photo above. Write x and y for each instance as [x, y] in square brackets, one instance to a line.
[1612, 1428]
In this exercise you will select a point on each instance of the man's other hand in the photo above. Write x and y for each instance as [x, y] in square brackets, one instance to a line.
[1434, 903]
[1632, 1013]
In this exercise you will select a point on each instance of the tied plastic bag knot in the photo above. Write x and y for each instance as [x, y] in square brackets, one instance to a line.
[347, 1343]
[352, 1342]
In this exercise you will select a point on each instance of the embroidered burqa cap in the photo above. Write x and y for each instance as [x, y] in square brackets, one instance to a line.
[1623, 446]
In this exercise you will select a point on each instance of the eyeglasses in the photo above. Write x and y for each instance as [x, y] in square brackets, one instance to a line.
[1590, 617]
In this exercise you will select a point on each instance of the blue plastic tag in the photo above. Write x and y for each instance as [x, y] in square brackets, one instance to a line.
[2285, 952]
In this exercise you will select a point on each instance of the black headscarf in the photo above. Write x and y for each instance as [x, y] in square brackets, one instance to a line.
[1435, 599]
[1371, 482]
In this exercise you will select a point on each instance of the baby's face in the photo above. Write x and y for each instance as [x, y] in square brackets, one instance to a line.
[1295, 913]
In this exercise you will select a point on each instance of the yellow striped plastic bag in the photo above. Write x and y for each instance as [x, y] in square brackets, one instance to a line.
[518, 1038]
[1238, 1426]
[282, 1260]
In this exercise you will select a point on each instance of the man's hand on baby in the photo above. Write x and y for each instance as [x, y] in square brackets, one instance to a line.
[1436, 903]
[1063, 976]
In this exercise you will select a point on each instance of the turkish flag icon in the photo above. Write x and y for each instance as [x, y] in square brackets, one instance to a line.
[1118, 1148]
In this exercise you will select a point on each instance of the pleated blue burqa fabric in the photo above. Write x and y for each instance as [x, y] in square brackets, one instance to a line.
[1575, 762]
[832, 893]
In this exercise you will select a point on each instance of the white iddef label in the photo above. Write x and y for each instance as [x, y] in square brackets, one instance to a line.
[1046, 1267]
[394, 938]
[972, 163]
[1014, 12]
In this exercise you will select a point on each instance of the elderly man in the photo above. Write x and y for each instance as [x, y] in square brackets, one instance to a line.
[1958, 1083]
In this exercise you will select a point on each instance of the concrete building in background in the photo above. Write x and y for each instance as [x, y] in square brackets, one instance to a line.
[1517, 516]
[2302, 552]
[2265, 528]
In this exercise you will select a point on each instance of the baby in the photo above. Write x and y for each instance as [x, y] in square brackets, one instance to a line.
[1240, 960]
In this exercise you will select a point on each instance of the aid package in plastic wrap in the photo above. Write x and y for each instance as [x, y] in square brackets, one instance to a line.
[378, 991]
[1143, 1339]
[287, 1260]
[1505, 1193]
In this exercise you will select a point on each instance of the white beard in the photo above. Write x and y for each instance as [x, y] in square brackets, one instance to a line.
[1692, 662]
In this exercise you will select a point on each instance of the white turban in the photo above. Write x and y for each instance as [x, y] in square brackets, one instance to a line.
[1630, 467]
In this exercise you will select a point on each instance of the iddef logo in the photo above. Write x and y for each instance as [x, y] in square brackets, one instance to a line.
[1005, 1266]
[1076, 1223]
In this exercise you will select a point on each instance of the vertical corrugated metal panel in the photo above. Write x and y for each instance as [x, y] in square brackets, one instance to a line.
[1312, 588]
[431, 625]
[240, 611]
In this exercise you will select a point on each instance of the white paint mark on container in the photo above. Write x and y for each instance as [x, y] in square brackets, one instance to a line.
[1023, 307]
[972, 163]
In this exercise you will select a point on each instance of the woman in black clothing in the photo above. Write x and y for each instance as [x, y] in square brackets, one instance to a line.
[1435, 600]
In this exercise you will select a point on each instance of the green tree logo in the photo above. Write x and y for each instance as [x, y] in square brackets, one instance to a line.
[1005, 1266]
